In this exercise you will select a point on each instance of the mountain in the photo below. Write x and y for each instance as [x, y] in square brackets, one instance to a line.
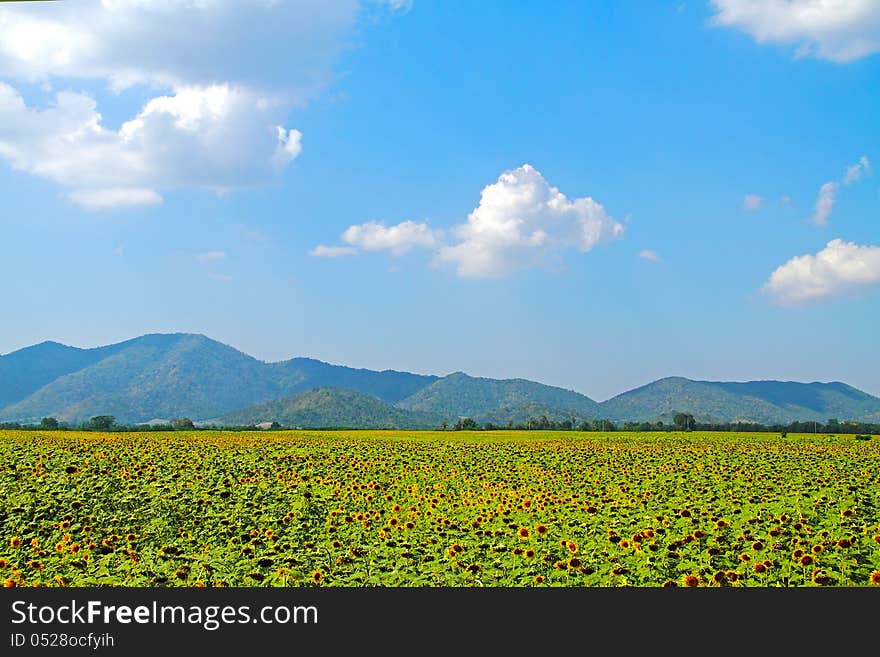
[391, 386]
[186, 375]
[333, 407]
[521, 413]
[25, 371]
[460, 395]
[168, 376]
[768, 402]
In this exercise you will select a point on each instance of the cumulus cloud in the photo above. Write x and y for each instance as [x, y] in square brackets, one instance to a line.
[752, 202]
[838, 268]
[828, 191]
[223, 76]
[398, 239]
[837, 30]
[322, 251]
[376, 236]
[648, 254]
[179, 43]
[216, 137]
[522, 221]
[210, 256]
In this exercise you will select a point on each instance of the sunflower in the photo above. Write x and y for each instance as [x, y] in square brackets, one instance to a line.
[875, 578]
[691, 581]
[317, 576]
[523, 532]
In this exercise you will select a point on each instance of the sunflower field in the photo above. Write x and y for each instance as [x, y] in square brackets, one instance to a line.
[368, 508]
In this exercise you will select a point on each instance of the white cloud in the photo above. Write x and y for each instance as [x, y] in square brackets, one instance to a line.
[398, 239]
[648, 254]
[522, 221]
[97, 199]
[855, 172]
[837, 30]
[399, 5]
[376, 236]
[825, 203]
[216, 137]
[287, 46]
[322, 251]
[223, 76]
[210, 256]
[828, 191]
[752, 202]
[839, 267]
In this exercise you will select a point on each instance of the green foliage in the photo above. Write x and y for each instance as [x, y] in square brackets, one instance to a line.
[99, 423]
[168, 376]
[332, 407]
[460, 395]
[765, 402]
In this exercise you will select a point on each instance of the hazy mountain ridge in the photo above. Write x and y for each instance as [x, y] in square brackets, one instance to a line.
[460, 395]
[177, 375]
[187, 375]
[768, 402]
[333, 407]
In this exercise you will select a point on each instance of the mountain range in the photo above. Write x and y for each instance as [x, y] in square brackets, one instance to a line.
[185, 375]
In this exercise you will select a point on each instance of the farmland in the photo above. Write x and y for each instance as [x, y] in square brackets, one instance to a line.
[310, 508]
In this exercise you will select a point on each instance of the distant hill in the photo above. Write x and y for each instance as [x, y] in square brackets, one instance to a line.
[167, 376]
[460, 395]
[768, 402]
[186, 375]
[306, 373]
[521, 413]
[333, 407]
[25, 371]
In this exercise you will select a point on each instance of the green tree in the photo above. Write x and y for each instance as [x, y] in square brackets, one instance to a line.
[100, 423]
[49, 423]
[684, 421]
[183, 423]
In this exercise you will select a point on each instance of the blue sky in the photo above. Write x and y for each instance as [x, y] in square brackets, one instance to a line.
[591, 195]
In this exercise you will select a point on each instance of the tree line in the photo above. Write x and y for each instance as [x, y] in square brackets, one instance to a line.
[680, 422]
